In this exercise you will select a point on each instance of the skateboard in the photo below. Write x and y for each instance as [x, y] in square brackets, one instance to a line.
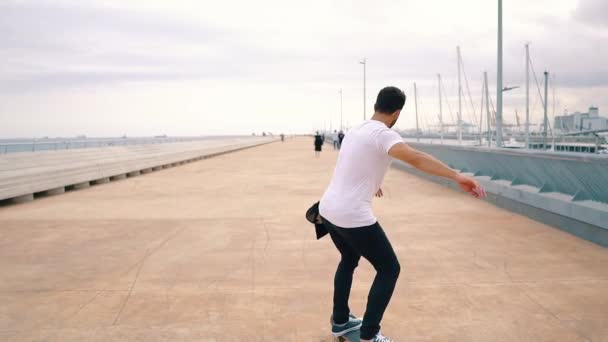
[353, 336]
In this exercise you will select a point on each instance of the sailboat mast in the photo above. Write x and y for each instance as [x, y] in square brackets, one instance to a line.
[553, 127]
[483, 97]
[546, 102]
[459, 97]
[489, 119]
[527, 96]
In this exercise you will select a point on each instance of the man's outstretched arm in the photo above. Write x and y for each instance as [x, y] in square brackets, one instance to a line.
[429, 164]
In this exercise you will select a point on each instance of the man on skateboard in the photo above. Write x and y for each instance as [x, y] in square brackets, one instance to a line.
[367, 152]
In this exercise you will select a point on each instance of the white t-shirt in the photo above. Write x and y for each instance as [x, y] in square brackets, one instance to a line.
[362, 164]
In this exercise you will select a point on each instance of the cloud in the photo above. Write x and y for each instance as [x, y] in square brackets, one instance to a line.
[276, 42]
[593, 13]
[47, 22]
[583, 80]
[50, 45]
[66, 55]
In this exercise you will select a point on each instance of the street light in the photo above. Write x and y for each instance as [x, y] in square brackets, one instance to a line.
[341, 128]
[499, 86]
[364, 62]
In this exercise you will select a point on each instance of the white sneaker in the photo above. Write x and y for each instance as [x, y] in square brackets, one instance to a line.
[381, 338]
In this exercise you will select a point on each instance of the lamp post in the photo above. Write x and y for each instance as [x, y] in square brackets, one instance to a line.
[440, 109]
[341, 126]
[416, 106]
[364, 62]
[499, 86]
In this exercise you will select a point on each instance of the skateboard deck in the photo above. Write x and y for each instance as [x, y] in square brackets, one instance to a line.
[353, 336]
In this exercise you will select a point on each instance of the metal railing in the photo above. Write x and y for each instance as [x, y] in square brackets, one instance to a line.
[37, 145]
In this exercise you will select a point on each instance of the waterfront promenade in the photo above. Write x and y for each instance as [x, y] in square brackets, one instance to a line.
[219, 250]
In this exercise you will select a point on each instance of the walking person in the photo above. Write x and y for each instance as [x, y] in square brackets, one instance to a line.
[318, 144]
[340, 138]
[334, 139]
[346, 211]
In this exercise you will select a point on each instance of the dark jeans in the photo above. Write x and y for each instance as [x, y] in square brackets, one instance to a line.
[371, 243]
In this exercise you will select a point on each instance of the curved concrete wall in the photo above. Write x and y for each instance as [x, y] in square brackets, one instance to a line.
[569, 192]
[24, 174]
[584, 177]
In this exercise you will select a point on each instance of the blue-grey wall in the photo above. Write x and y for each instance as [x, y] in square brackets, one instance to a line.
[585, 177]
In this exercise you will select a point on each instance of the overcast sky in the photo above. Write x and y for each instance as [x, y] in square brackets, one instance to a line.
[107, 68]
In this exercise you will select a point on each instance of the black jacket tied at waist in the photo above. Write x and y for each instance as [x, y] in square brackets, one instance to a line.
[313, 216]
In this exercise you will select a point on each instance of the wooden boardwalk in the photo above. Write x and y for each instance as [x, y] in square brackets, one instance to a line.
[218, 250]
[28, 174]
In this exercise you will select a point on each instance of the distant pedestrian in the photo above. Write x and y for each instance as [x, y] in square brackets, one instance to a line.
[340, 138]
[282, 137]
[334, 138]
[318, 144]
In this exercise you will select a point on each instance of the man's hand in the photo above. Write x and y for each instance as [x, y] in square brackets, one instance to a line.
[379, 193]
[471, 186]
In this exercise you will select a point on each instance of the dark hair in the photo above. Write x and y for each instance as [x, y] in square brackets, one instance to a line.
[390, 99]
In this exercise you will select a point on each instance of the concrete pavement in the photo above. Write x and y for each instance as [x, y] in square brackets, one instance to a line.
[218, 250]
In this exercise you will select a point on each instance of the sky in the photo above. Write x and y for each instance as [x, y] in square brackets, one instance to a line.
[199, 67]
